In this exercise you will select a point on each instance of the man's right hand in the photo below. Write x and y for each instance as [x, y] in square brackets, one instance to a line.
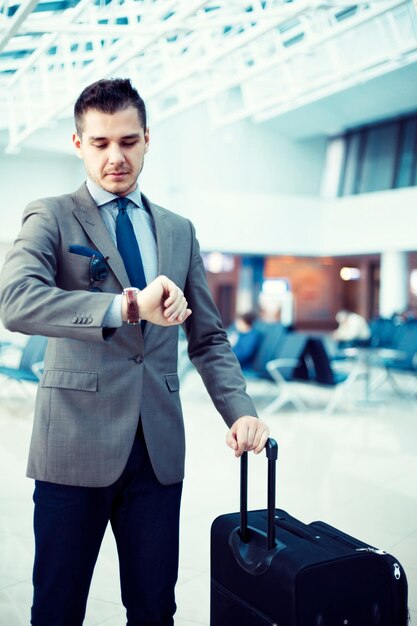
[162, 303]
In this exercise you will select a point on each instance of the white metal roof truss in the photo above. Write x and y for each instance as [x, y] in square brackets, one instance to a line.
[254, 59]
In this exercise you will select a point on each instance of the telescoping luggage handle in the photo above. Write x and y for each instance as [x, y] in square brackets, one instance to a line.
[271, 449]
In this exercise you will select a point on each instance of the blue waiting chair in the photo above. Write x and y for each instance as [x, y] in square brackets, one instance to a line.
[288, 368]
[30, 362]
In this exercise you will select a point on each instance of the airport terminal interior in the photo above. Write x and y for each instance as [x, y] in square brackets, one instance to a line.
[286, 131]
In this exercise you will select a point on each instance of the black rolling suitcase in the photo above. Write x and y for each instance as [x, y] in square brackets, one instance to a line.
[270, 569]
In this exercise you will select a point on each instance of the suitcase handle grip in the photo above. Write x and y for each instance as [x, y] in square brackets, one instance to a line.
[271, 449]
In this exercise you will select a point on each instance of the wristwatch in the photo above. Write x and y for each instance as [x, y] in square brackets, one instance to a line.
[132, 305]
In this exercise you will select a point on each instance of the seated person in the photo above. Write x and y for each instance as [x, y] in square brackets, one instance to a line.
[353, 329]
[244, 338]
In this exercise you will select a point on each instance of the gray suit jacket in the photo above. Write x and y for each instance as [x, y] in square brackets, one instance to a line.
[98, 381]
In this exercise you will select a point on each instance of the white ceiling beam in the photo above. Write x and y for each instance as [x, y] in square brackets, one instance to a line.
[89, 28]
[312, 90]
[46, 43]
[320, 88]
[220, 52]
[344, 4]
[198, 53]
[21, 43]
[191, 23]
[134, 50]
[281, 59]
[323, 90]
[284, 12]
[111, 68]
[15, 22]
[49, 40]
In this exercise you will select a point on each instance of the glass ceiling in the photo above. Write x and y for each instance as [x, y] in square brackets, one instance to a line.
[245, 59]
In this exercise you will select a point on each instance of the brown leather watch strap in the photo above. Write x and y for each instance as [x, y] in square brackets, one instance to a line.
[132, 305]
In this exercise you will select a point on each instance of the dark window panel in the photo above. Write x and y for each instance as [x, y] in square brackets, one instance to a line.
[414, 166]
[379, 159]
[405, 171]
[351, 162]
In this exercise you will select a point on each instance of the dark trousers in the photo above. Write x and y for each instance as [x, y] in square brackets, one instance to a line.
[69, 525]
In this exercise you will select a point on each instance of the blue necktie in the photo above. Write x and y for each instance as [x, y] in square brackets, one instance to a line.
[128, 247]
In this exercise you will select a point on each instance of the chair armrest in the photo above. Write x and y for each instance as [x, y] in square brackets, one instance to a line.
[37, 368]
[275, 365]
[5, 346]
[10, 345]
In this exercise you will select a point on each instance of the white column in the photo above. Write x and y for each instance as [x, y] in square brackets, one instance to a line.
[393, 295]
[244, 300]
[334, 162]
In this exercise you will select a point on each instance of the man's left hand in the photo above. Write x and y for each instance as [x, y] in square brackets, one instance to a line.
[247, 433]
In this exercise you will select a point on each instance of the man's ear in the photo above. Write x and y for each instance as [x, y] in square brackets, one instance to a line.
[147, 140]
[76, 142]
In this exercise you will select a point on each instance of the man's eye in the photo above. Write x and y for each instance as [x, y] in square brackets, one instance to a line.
[99, 145]
[129, 143]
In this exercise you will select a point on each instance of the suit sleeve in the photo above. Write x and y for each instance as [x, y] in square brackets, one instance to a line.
[209, 348]
[30, 300]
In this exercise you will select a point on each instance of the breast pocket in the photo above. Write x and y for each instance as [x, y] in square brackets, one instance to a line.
[74, 272]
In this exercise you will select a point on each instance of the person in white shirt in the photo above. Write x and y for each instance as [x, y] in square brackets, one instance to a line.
[352, 327]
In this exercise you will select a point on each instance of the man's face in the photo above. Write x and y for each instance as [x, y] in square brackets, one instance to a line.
[112, 147]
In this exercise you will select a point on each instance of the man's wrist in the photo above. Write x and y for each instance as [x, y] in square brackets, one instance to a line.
[114, 314]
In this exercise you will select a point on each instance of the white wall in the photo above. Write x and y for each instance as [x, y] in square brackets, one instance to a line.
[305, 225]
[187, 154]
[31, 175]
[247, 189]
[225, 180]
[372, 222]
[254, 222]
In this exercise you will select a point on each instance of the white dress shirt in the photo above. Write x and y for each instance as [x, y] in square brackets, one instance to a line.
[144, 229]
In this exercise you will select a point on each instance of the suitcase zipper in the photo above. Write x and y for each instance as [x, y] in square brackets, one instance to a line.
[342, 537]
[305, 531]
[396, 566]
[397, 571]
[350, 541]
[373, 550]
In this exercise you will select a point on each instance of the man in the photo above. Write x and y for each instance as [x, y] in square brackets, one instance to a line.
[245, 338]
[352, 329]
[108, 436]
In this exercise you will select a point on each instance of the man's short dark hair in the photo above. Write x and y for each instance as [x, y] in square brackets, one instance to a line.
[108, 96]
[249, 318]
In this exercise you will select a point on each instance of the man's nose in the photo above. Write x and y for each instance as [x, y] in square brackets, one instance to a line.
[116, 154]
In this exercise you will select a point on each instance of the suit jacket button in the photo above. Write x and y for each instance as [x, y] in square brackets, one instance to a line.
[89, 320]
[139, 359]
[75, 319]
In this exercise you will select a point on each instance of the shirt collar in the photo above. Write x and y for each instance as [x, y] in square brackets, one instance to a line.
[101, 196]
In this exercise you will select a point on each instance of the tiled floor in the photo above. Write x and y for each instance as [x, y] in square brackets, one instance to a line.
[355, 469]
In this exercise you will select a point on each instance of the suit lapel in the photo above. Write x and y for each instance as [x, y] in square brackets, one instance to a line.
[163, 236]
[163, 242]
[88, 215]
